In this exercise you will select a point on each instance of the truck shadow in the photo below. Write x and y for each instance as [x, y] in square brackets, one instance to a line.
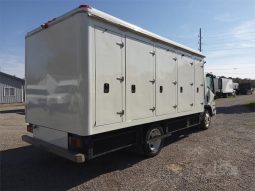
[234, 109]
[29, 168]
[17, 111]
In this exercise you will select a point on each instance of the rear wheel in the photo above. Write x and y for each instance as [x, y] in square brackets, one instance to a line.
[153, 141]
[206, 120]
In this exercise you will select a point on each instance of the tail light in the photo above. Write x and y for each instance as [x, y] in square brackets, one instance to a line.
[30, 128]
[75, 141]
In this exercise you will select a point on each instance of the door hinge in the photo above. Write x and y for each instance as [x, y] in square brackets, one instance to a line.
[152, 81]
[153, 109]
[152, 53]
[121, 44]
[121, 79]
[120, 112]
[174, 82]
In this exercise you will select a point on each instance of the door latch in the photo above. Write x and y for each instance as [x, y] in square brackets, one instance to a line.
[153, 109]
[120, 113]
[174, 82]
[121, 79]
[152, 53]
[121, 44]
[153, 81]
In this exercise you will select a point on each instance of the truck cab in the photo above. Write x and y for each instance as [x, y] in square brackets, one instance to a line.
[210, 93]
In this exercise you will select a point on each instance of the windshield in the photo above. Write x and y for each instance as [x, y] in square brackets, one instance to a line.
[209, 83]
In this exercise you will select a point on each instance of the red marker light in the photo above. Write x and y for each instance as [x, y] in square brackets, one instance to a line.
[85, 6]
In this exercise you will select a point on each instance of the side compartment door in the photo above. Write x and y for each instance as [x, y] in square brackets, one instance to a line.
[140, 81]
[166, 81]
[109, 52]
[199, 85]
[185, 83]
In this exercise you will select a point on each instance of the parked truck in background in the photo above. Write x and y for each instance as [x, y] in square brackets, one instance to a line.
[245, 88]
[224, 87]
[235, 87]
[110, 85]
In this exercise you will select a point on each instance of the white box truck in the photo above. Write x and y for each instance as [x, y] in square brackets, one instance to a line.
[96, 84]
[224, 87]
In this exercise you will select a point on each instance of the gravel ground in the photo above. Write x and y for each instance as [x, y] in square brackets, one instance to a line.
[221, 158]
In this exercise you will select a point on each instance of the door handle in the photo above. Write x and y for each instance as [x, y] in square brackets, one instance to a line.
[152, 81]
[175, 106]
[153, 109]
[121, 44]
[191, 84]
[121, 79]
[152, 53]
[191, 104]
[174, 82]
[174, 58]
[120, 112]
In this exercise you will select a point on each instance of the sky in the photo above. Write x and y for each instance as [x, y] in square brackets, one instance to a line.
[228, 28]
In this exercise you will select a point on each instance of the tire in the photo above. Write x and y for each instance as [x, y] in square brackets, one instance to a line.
[206, 120]
[153, 148]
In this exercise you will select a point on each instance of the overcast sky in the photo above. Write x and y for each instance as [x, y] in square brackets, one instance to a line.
[228, 28]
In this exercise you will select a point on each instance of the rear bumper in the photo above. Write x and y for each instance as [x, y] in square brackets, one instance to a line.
[73, 156]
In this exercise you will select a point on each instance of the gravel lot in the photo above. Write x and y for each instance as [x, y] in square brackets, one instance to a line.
[221, 158]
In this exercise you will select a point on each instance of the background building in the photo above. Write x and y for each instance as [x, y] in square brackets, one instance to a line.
[11, 89]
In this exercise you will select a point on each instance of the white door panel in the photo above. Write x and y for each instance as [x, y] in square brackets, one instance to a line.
[108, 68]
[139, 73]
[199, 85]
[166, 81]
[185, 83]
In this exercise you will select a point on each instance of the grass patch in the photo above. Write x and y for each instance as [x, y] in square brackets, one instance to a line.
[251, 105]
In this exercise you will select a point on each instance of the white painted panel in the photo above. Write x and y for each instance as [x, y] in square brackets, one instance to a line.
[199, 85]
[55, 137]
[108, 69]
[166, 81]
[139, 73]
[185, 83]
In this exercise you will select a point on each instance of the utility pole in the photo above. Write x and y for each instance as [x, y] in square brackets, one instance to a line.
[200, 40]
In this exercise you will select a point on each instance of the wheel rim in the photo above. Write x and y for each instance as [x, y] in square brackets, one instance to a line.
[207, 119]
[154, 145]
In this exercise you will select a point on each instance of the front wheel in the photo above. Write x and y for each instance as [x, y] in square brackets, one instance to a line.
[153, 141]
[206, 120]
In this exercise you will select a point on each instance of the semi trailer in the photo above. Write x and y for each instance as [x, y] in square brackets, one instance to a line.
[96, 84]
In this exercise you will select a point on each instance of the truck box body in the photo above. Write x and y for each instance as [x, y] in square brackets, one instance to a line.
[89, 73]
[227, 85]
